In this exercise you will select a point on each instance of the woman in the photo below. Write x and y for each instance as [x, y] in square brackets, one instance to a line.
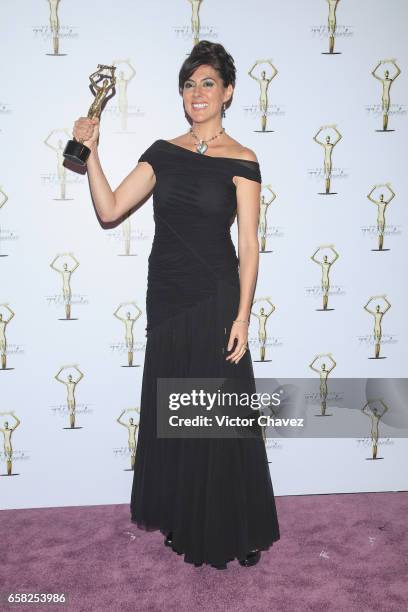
[211, 497]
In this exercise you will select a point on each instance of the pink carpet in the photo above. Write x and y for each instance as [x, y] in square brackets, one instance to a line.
[337, 552]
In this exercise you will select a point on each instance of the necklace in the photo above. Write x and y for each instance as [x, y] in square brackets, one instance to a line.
[202, 145]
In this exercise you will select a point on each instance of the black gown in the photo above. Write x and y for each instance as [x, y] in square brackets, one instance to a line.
[214, 495]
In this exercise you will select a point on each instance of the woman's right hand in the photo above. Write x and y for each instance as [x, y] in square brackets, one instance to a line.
[87, 130]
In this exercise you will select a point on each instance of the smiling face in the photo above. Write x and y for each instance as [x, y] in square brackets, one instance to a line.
[204, 94]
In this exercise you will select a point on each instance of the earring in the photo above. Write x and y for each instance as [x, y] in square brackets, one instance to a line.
[223, 110]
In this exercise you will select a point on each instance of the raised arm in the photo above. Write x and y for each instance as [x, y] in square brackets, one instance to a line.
[115, 314]
[336, 255]
[57, 376]
[369, 196]
[138, 310]
[391, 191]
[315, 137]
[398, 71]
[313, 257]
[312, 364]
[17, 420]
[339, 136]
[4, 197]
[119, 418]
[81, 374]
[75, 259]
[112, 205]
[388, 304]
[46, 141]
[13, 314]
[250, 72]
[52, 264]
[330, 356]
[272, 307]
[132, 70]
[374, 72]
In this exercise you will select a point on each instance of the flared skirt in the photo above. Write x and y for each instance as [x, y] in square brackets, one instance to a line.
[214, 494]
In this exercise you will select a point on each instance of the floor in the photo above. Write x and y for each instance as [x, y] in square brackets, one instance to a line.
[344, 552]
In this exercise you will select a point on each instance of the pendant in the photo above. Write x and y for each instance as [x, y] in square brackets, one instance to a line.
[202, 147]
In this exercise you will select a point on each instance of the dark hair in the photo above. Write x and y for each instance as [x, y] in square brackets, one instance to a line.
[214, 54]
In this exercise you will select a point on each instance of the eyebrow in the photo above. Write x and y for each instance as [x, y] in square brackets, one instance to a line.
[203, 79]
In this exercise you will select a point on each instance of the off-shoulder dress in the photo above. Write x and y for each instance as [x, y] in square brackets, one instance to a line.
[214, 495]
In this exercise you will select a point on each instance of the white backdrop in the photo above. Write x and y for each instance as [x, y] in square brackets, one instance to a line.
[55, 465]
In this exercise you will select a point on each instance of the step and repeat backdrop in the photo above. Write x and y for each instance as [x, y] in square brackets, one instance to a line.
[321, 97]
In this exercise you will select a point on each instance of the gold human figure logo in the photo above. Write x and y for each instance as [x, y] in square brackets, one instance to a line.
[101, 91]
[378, 316]
[381, 204]
[195, 20]
[323, 372]
[263, 211]
[325, 265]
[3, 340]
[132, 429]
[122, 83]
[126, 232]
[70, 384]
[386, 82]
[58, 148]
[375, 415]
[264, 83]
[129, 323]
[7, 432]
[262, 317]
[331, 22]
[54, 26]
[66, 274]
[328, 147]
[75, 150]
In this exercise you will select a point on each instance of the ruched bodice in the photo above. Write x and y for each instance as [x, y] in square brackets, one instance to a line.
[194, 203]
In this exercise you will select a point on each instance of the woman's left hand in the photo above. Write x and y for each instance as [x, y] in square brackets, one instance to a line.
[239, 331]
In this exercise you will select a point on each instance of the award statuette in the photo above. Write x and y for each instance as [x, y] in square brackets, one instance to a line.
[75, 150]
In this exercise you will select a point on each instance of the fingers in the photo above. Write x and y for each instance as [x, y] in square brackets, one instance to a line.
[237, 355]
[239, 351]
[86, 128]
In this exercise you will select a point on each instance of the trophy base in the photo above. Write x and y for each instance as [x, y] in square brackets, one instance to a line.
[77, 152]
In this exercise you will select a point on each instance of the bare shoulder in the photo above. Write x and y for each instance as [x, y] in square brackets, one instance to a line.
[240, 152]
[248, 154]
[179, 140]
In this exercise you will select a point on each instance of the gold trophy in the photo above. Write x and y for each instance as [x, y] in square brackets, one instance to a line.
[75, 150]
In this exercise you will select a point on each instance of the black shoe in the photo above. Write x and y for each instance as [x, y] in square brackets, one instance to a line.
[251, 559]
[169, 542]
[219, 567]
